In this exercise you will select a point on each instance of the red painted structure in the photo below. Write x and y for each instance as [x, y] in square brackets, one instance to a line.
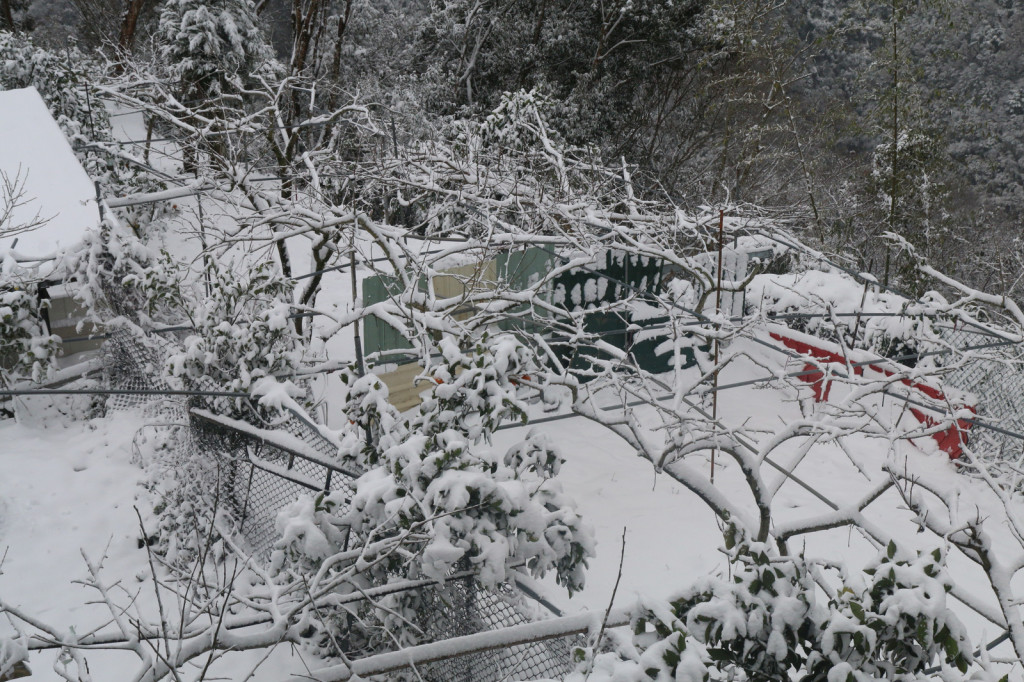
[951, 441]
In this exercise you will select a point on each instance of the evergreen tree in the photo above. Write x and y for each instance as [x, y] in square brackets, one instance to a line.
[212, 46]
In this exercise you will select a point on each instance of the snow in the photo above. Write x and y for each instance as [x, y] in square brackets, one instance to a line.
[35, 154]
[70, 493]
[52, 478]
[76, 487]
[68, 490]
[65, 491]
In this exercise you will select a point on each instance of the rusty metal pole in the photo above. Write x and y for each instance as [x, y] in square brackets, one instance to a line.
[718, 309]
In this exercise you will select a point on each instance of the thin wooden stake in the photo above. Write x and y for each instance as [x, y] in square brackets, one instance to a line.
[718, 309]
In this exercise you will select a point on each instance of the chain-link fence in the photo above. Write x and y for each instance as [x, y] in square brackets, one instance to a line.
[264, 472]
[461, 607]
[267, 463]
[993, 373]
[132, 364]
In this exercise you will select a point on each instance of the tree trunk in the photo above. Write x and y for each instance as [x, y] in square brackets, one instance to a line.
[6, 15]
[126, 39]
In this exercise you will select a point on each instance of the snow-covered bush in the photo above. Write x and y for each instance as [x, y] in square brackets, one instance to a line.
[437, 487]
[26, 350]
[107, 268]
[769, 620]
[242, 331]
[239, 315]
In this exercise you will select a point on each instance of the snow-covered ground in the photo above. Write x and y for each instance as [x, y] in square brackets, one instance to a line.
[68, 492]
[70, 495]
[71, 489]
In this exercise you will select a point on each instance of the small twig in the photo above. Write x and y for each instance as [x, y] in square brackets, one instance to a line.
[615, 589]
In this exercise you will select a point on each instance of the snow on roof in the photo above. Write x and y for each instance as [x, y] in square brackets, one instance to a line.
[37, 162]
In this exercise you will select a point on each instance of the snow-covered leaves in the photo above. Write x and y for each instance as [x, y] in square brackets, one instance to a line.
[436, 473]
[768, 620]
[211, 46]
[27, 351]
[61, 79]
[238, 317]
[436, 485]
[114, 274]
[243, 331]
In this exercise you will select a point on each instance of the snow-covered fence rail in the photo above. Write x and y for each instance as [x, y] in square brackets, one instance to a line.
[266, 467]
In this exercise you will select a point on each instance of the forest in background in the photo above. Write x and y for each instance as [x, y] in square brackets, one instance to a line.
[846, 118]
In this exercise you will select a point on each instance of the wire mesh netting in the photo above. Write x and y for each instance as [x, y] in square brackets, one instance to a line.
[263, 479]
[461, 607]
[995, 377]
[260, 475]
[132, 361]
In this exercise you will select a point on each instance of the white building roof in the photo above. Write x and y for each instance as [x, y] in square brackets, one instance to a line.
[38, 163]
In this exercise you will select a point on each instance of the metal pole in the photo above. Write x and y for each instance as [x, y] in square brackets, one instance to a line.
[99, 200]
[207, 264]
[360, 363]
[860, 311]
[718, 310]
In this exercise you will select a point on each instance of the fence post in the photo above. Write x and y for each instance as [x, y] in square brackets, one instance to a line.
[718, 310]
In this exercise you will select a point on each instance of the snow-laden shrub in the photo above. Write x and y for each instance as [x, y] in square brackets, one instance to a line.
[242, 330]
[437, 487]
[769, 620]
[239, 316]
[27, 351]
[112, 271]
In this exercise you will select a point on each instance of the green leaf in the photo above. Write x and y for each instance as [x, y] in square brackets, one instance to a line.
[890, 550]
[951, 647]
[922, 632]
